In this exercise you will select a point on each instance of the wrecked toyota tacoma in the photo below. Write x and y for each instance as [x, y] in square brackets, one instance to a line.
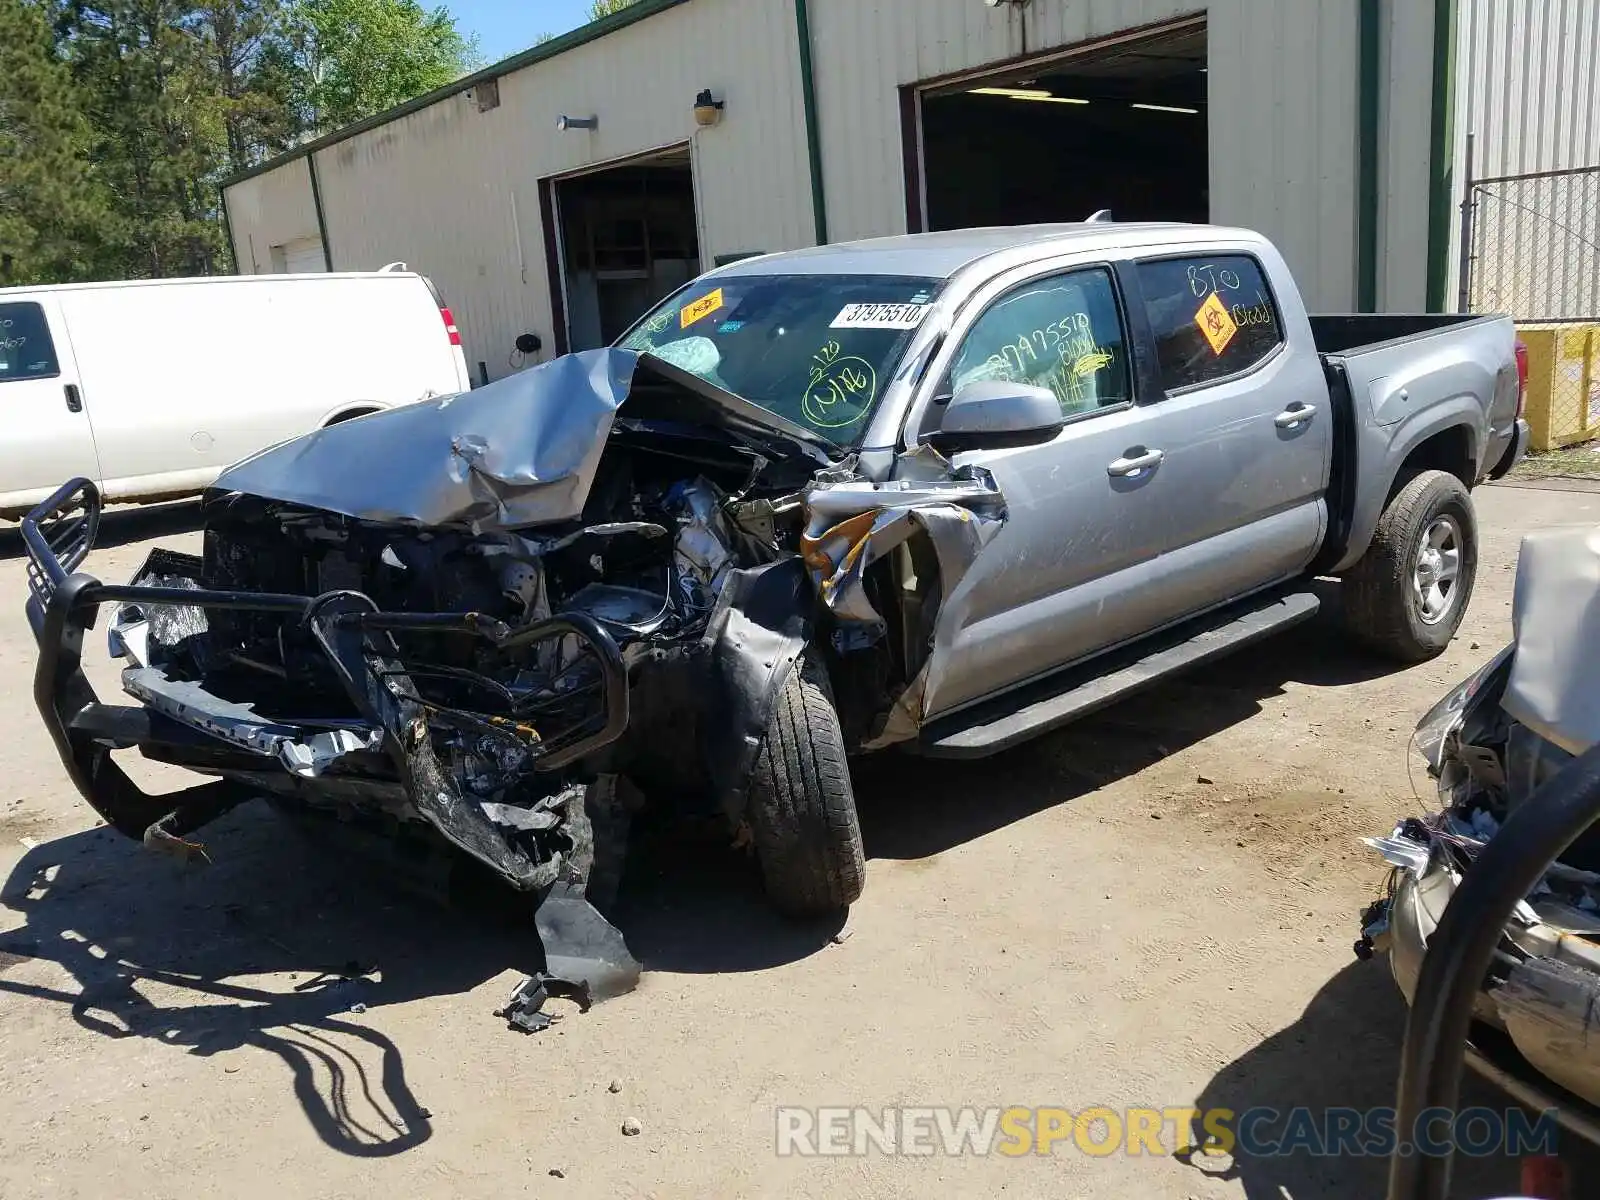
[940, 492]
[1489, 745]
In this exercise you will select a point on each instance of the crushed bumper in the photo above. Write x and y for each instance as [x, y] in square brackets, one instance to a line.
[181, 723]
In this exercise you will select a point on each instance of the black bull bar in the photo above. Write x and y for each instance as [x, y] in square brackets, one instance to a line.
[348, 627]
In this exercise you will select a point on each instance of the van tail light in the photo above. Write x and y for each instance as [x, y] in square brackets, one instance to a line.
[455, 334]
[1522, 374]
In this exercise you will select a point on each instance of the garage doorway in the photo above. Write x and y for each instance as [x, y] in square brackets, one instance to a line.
[1120, 125]
[627, 237]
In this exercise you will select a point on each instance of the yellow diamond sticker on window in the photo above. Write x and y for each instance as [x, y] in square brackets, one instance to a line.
[1216, 323]
[697, 309]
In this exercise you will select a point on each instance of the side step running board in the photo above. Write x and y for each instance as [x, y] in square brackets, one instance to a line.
[1059, 699]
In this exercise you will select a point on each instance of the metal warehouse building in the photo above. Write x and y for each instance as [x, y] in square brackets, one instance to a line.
[561, 191]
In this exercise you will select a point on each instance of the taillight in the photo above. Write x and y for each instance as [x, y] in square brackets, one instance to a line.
[455, 334]
[1522, 374]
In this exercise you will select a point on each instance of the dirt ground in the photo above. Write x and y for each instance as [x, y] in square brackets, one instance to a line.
[1153, 908]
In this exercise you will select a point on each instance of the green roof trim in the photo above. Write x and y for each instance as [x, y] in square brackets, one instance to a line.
[1441, 153]
[1367, 209]
[581, 36]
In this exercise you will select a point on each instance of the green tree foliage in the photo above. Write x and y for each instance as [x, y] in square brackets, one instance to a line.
[604, 8]
[120, 118]
[352, 58]
[52, 206]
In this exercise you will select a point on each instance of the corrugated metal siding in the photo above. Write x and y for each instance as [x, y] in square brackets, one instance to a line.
[451, 191]
[1405, 114]
[270, 210]
[1528, 89]
[1283, 106]
[455, 193]
[1528, 84]
[1282, 111]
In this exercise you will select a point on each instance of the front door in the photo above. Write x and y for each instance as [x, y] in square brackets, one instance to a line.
[47, 434]
[1062, 577]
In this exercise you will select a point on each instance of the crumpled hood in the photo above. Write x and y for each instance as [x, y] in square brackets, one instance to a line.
[520, 451]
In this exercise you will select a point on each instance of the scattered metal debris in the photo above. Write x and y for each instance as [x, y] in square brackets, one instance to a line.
[524, 1011]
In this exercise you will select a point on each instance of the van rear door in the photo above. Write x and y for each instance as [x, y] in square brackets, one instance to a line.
[45, 436]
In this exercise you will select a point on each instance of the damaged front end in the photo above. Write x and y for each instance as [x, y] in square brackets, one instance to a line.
[490, 619]
[1490, 745]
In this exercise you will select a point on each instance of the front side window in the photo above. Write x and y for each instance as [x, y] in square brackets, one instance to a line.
[1063, 333]
[817, 349]
[26, 351]
[1212, 317]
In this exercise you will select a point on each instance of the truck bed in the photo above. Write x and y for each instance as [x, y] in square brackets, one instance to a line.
[1351, 333]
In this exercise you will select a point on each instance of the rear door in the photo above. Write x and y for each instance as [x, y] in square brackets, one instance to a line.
[1242, 414]
[46, 437]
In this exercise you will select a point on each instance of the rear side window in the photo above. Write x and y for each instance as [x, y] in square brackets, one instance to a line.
[26, 351]
[1212, 317]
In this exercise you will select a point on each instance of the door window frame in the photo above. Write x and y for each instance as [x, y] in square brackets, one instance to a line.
[936, 372]
[1260, 364]
[49, 332]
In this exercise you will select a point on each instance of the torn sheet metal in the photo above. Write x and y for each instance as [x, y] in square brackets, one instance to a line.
[520, 451]
[1553, 689]
[701, 551]
[853, 522]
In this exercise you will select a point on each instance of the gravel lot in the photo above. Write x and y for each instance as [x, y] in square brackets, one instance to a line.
[1153, 908]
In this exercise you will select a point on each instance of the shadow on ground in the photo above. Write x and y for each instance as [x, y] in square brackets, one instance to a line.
[915, 807]
[271, 946]
[1344, 1052]
[158, 951]
[122, 526]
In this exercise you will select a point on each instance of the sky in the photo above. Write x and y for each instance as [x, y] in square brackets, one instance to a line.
[507, 26]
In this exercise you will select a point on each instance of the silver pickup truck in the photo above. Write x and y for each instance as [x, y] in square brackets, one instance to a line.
[940, 492]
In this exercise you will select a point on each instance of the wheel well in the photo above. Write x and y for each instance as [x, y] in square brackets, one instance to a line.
[347, 414]
[1448, 450]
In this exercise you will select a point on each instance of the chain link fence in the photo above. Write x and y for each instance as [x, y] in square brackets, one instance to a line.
[1531, 248]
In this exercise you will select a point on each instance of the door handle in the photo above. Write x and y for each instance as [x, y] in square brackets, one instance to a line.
[1123, 467]
[74, 401]
[1298, 415]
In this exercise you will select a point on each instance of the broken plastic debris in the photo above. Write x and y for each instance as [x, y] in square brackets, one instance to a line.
[1401, 852]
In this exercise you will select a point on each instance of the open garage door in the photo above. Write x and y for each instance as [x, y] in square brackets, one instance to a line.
[627, 238]
[1119, 126]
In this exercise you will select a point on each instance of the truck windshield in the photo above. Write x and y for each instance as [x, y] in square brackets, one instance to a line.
[817, 349]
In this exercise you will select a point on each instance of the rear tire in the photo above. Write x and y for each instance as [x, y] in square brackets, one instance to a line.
[1407, 596]
[802, 809]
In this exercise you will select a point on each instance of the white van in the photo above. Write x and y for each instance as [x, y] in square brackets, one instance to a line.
[152, 387]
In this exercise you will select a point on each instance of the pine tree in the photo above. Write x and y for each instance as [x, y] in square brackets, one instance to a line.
[54, 225]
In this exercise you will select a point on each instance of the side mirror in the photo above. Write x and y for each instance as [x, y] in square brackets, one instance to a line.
[994, 412]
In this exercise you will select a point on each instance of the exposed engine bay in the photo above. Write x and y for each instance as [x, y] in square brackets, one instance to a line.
[1489, 745]
[503, 617]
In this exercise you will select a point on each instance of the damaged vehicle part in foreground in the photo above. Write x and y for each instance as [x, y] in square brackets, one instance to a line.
[942, 493]
[394, 653]
[1514, 726]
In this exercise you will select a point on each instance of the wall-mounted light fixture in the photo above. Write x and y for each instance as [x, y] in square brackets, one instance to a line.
[707, 108]
[564, 123]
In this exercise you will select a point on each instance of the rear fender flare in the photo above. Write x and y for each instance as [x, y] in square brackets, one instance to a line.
[1374, 490]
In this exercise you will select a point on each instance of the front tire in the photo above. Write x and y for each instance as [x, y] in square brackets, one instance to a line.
[1407, 596]
[802, 808]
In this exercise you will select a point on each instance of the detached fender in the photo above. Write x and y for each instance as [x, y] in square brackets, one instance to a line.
[763, 621]
[1381, 458]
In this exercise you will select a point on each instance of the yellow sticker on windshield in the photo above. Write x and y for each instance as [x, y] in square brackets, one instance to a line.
[1215, 322]
[696, 310]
